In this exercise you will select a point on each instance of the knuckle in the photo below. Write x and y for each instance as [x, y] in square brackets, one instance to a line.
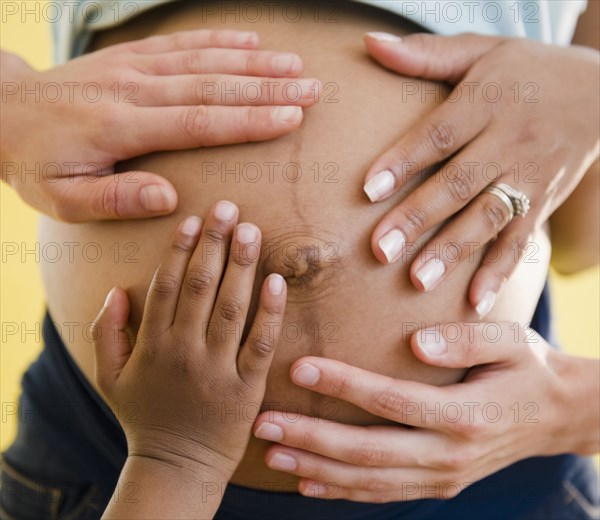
[252, 63]
[307, 440]
[196, 121]
[338, 385]
[495, 214]
[262, 347]
[182, 244]
[368, 453]
[110, 199]
[199, 280]
[214, 235]
[192, 60]
[457, 460]
[415, 220]
[459, 183]
[273, 309]
[471, 429]
[243, 255]
[164, 283]
[389, 402]
[443, 136]
[230, 309]
[373, 481]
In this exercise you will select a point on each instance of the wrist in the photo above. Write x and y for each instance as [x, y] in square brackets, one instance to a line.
[193, 491]
[181, 456]
[182, 469]
[579, 404]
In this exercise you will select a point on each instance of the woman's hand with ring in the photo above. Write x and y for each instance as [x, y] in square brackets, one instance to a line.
[508, 121]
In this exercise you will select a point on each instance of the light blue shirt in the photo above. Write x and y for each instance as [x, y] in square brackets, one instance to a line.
[548, 21]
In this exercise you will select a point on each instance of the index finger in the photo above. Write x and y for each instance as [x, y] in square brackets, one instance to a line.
[202, 38]
[394, 399]
[440, 134]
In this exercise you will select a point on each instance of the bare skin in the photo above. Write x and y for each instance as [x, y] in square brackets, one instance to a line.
[342, 303]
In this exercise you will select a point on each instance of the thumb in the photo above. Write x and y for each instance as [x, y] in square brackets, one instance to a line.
[465, 345]
[111, 341]
[422, 55]
[116, 196]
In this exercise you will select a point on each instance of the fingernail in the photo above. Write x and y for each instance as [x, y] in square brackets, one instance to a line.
[306, 375]
[191, 226]
[225, 211]
[247, 233]
[391, 244]
[283, 462]
[380, 186]
[384, 37]
[110, 296]
[287, 114]
[486, 303]
[269, 432]
[285, 63]
[430, 273]
[157, 198]
[431, 342]
[275, 284]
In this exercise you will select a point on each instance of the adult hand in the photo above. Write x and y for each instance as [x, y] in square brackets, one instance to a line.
[515, 405]
[511, 119]
[187, 359]
[64, 129]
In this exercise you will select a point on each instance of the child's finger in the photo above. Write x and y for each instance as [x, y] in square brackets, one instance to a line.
[111, 342]
[231, 307]
[256, 355]
[203, 275]
[163, 295]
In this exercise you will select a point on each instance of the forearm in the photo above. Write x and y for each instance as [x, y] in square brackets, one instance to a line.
[165, 491]
[579, 409]
[575, 226]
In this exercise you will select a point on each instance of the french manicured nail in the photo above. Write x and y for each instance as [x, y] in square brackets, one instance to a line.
[486, 303]
[391, 244]
[269, 432]
[306, 375]
[285, 63]
[430, 273]
[247, 233]
[275, 284]
[157, 198]
[287, 114]
[283, 462]
[110, 296]
[431, 342]
[384, 37]
[225, 211]
[191, 226]
[380, 185]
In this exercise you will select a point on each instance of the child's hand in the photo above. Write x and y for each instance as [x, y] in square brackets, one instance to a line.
[188, 371]
[72, 123]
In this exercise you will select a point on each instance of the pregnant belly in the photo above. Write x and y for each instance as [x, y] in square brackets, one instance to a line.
[305, 193]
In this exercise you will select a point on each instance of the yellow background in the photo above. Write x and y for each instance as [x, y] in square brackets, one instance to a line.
[576, 299]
